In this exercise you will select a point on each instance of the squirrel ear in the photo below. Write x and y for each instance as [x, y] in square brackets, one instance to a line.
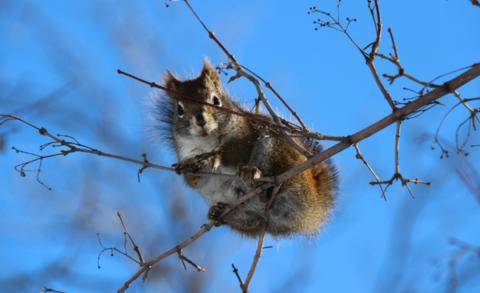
[209, 73]
[171, 81]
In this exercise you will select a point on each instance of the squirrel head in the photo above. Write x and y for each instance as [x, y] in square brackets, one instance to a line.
[196, 119]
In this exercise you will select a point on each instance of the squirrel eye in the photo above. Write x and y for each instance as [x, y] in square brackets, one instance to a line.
[180, 109]
[216, 101]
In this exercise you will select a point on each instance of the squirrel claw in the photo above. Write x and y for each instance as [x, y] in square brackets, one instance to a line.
[215, 213]
[249, 173]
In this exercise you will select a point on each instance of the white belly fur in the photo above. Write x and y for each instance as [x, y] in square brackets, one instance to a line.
[213, 189]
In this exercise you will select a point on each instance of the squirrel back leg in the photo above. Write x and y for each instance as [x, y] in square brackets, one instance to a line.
[284, 215]
[249, 217]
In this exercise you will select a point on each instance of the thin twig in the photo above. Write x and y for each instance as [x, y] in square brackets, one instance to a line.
[360, 156]
[472, 73]
[184, 259]
[135, 247]
[397, 175]
[284, 125]
[256, 258]
[73, 146]
[238, 67]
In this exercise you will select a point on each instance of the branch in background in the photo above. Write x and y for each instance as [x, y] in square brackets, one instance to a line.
[462, 250]
[398, 115]
[50, 290]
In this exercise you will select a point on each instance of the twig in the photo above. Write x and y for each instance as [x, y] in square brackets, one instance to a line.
[112, 250]
[237, 274]
[184, 259]
[397, 175]
[377, 21]
[280, 124]
[471, 118]
[238, 67]
[73, 146]
[272, 113]
[132, 242]
[256, 258]
[205, 228]
[454, 83]
[413, 106]
[360, 156]
[336, 24]
[253, 78]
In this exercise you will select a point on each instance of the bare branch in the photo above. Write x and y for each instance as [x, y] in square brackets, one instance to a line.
[411, 107]
[360, 156]
[132, 242]
[256, 258]
[73, 146]
[184, 259]
[397, 175]
[242, 70]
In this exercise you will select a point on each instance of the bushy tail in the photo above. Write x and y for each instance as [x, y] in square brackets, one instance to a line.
[324, 173]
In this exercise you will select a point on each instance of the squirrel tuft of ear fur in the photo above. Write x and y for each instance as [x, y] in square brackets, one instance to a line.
[209, 73]
[171, 82]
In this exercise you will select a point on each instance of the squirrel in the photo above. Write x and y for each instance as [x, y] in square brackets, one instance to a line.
[209, 139]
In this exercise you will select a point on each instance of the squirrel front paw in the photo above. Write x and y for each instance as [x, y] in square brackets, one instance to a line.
[198, 163]
[249, 173]
[215, 213]
[188, 166]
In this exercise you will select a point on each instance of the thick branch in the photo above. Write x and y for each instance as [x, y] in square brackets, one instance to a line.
[399, 114]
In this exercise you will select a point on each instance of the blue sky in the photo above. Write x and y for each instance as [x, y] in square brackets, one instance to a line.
[369, 246]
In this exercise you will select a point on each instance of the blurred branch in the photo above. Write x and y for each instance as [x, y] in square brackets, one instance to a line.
[73, 145]
[462, 250]
[47, 289]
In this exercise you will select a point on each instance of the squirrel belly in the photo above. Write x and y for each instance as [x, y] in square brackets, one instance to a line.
[207, 139]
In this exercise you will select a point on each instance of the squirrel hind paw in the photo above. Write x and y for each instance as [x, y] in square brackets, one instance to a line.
[249, 173]
[216, 212]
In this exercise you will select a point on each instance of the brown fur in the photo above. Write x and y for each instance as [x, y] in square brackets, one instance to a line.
[303, 203]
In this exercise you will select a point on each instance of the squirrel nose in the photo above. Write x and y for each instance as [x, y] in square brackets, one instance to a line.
[200, 120]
